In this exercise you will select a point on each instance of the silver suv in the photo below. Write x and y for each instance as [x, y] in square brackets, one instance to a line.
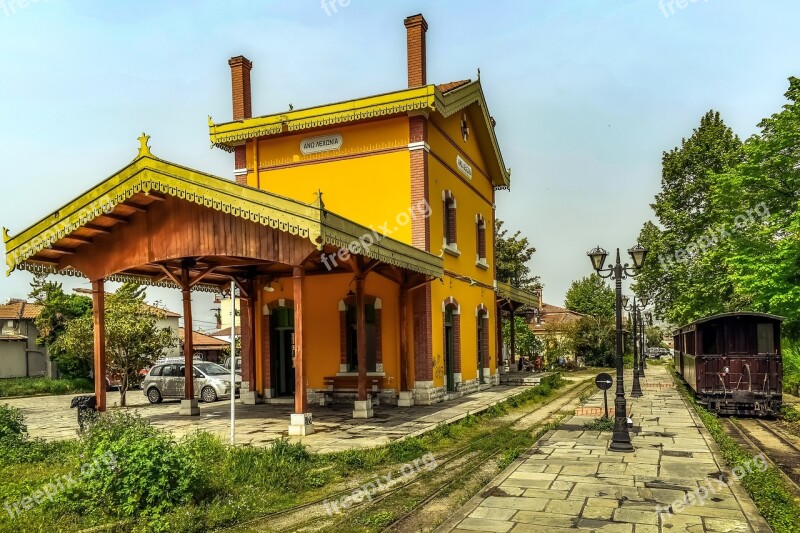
[212, 382]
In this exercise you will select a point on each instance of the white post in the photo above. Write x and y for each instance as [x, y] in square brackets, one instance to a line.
[233, 363]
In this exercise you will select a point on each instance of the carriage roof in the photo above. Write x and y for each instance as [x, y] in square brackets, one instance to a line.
[736, 314]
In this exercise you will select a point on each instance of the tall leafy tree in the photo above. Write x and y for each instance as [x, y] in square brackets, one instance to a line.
[512, 255]
[686, 277]
[591, 296]
[133, 339]
[58, 308]
[759, 200]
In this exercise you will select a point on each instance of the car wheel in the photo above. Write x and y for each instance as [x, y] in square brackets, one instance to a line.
[154, 395]
[208, 395]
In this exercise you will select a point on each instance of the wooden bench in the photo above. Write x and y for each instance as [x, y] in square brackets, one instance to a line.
[349, 384]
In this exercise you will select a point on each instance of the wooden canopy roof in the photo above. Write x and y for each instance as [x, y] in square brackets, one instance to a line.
[152, 216]
[515, 295]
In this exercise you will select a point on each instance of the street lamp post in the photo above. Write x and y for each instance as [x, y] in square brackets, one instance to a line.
[636, 390]
[649, 321]
[620, 439]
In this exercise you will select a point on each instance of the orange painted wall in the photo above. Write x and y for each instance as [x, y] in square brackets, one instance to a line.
[321, 322]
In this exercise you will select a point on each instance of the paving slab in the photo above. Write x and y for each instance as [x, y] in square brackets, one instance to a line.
[650, 490]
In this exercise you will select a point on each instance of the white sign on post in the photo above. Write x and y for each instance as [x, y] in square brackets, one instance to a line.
[323, 143]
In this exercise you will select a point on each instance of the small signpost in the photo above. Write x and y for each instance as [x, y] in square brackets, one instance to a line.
[604, 382]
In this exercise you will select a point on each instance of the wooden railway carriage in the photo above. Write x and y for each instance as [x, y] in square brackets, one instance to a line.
[732, 362]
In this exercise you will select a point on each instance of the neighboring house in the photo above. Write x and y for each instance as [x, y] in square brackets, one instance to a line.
[168, 319]
[549, 322]
[20, 356]
[206, 347]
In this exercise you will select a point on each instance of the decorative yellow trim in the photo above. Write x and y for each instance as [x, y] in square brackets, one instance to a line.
[422, 99]
[404, 101]
[147, 174]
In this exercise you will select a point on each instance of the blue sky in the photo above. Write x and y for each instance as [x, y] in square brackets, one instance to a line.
[587, 94]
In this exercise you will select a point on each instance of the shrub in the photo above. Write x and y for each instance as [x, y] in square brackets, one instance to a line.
[12, 425]
[137, 470]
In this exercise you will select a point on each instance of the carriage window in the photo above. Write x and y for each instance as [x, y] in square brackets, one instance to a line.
[710, 341]
[766, 342]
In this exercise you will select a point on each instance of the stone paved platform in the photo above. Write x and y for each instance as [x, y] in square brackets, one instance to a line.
[569, 481]
[50, 417]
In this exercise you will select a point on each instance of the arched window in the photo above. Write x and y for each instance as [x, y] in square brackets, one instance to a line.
[480, 240]
[452, 343]
[449, 220]
[482, 340]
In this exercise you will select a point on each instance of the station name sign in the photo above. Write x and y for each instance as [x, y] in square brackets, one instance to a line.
[464, 167]
[323, 143]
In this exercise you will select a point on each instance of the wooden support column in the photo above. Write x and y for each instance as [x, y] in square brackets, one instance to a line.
[99, 316]
[188, 347]
[189, 404]
[300, 397]
[512, 340]
[301, 420]
[499, 336]
[403, 311]
[361, 340]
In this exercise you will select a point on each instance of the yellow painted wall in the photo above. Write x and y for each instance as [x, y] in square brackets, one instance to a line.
[472, 197]
[368, 189]
[321, 323]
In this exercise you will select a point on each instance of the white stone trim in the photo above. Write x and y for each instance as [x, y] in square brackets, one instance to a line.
[240, 172]
[342, 305]
[378, 304]
[451, 248]
[421, 145]
[457, 377]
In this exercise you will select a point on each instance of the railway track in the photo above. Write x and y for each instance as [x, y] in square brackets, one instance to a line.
[454, 467]
[780, 449]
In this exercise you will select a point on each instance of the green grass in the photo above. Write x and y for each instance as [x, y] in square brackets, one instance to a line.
[600, 424]
[37, 386]
[769, 490]
[230, 484]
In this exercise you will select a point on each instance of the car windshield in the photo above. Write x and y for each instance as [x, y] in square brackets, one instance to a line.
[211, 369]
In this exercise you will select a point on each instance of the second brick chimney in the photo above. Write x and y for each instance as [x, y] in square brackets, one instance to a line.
[417, 55]
[240, 85]
[242, 108]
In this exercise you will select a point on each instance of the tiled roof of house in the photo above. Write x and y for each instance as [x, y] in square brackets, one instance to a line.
[201, 341]
[447, 87]
[165, 312]
[19, 309]
[226, 332]
[553, 318]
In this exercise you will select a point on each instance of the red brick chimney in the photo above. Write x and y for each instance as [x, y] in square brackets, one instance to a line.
[242, 108]
[417, 56]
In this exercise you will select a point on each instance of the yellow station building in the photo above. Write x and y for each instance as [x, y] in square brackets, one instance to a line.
[400, 188]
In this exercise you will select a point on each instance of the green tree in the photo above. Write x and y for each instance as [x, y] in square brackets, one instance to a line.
[594, 338]
[512, 255]
[525, 342]
[758, 200]
[133, 339]
[591, 296]
[686, 277]
[58, 308]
